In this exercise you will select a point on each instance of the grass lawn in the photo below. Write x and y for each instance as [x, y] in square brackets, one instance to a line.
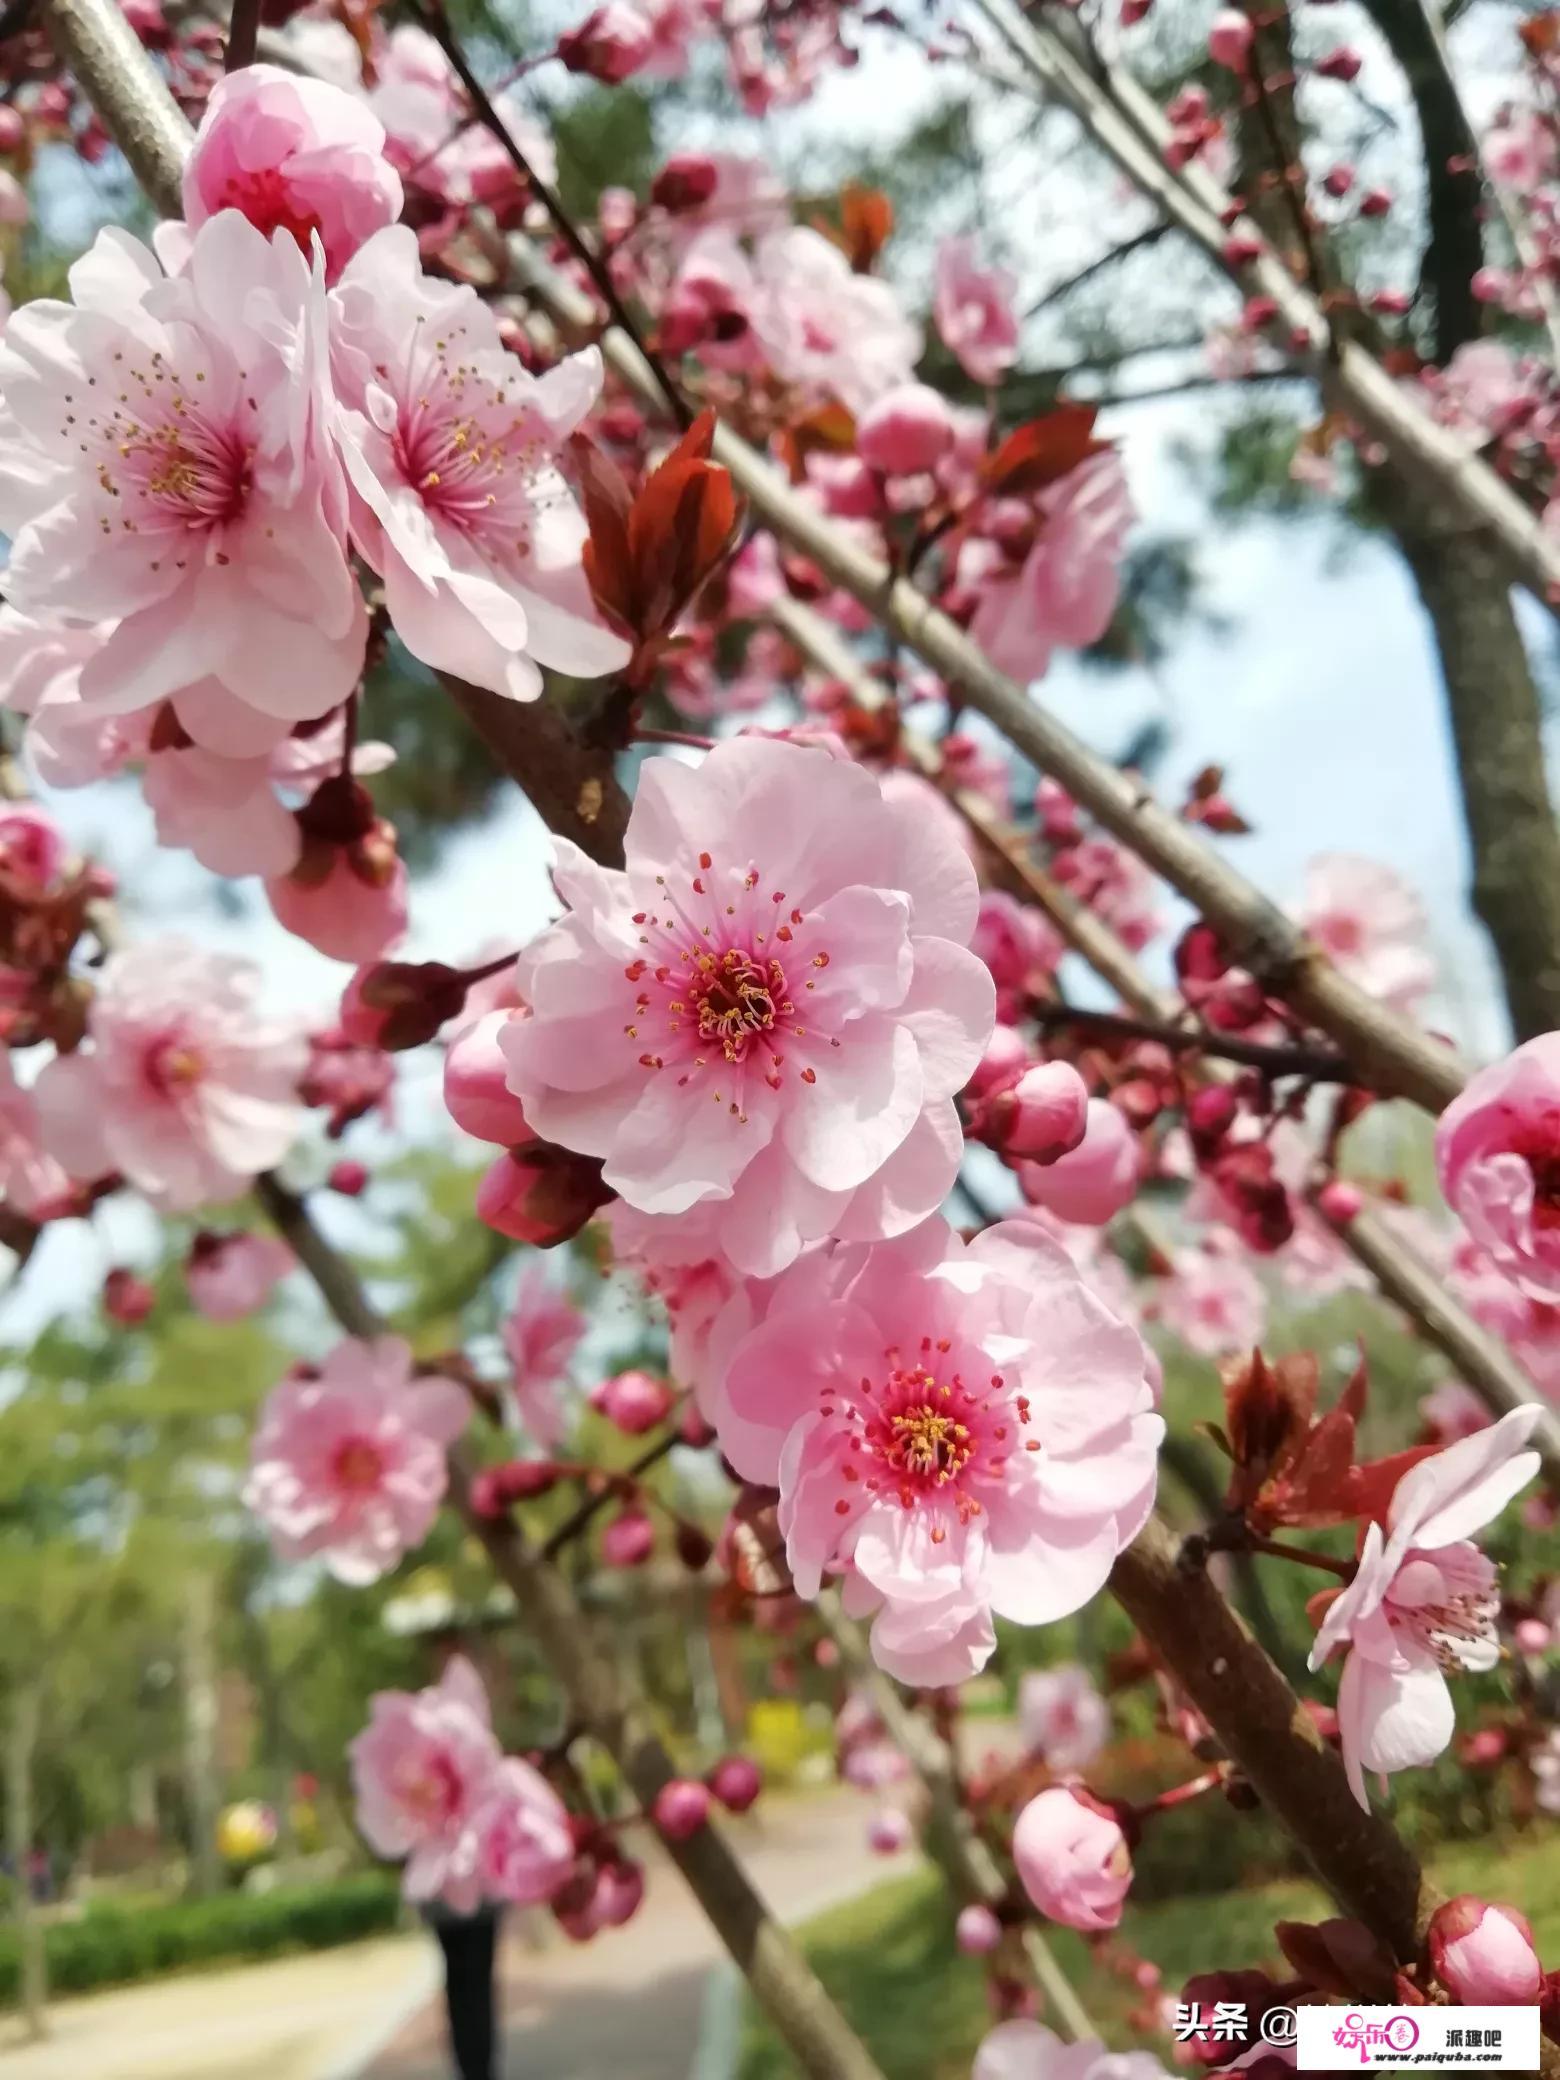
[889, 1957]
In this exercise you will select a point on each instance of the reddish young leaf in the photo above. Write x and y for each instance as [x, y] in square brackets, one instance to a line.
[1043, 450]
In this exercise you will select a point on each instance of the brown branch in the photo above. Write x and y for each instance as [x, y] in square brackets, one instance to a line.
[1317, 1064]
[1388, 1053]
[579, 1521]
[243, 35]
[952, 1840]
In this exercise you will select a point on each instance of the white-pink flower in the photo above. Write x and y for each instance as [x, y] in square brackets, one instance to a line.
[966, 1426]
[1213, 1301]
[292, 154]
[451, 449]
[828, 330]
[1063, 1718]
[425, 1771]
[32, 1183]
[1497, 1149]
[1423, 1601]
[972, 308]
[527, 1846]
[167, 470]
[229, 1276]
[760, 1025]
[185, 1089]
[541, 1334]
[1064, 592]
[348, 1462]
[1371, 925]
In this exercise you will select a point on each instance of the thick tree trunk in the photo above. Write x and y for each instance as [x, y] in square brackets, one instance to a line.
[1492, 705]
[201, 1790]
[21, 1748]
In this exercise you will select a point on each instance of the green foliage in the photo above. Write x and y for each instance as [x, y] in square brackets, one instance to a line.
[115, 1945]
[889, 1959]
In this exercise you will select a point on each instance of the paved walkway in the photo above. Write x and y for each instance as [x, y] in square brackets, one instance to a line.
[319, 2017]
[628, 2005]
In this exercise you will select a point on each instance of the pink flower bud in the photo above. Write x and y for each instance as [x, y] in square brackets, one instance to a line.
[1484, 1955]
[1094, 1180]
[681, 1808]
[907, 431]
[628, 1540]
[13, 131]
[1057, 813]
[1375, 202]
[977, 1931]
[1391, 303]
[1530, 1636]
[634, 1401]
[1072, 1858]
[1044, 1115]
[610, 45]
[33, 850]
[620, 1891]
[1258, 314]
[1338, 180]
[1002, 1062]
[1339, 1200]
[1343, 63]
[1230, 39]
[349, 900]
[349, 1177]
[686, 181]
[1240, 249]
[736, 1781]
[127, 1299]
[889, 1832]
[694, 1431]
[540, 1194]
[476, 1093]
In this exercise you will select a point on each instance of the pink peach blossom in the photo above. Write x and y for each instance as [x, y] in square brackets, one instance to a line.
[292, 154]
[450, 446]
[476, 1095]
[972, 308]
[1065, 591]
[1214, 1302]
[829, 331]
[889, 1832]
[1063, 1718]
[425, 1771]
[965, 1426]
[1020, 946]
[761, 1023]
[1073, 1859]
[1372, 926]
[1423, 1601]
[611, 44]
[1497, 1149]
[541, 1333]
[32, 1183]
[202, 515]
[348, 1462]
[183, 1088]
[420, 103]
[33, 850]
[1114, 882]
[629, 1540]
[229, 1276]
[906, 431]
[527, 1845]
[1097, 1179]
[977, 1931]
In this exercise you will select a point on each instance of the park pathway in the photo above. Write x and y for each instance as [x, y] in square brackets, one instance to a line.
[632, 2005]
[319, 2017]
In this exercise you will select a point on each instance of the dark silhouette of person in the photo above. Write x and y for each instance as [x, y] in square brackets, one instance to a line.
[469, 1943]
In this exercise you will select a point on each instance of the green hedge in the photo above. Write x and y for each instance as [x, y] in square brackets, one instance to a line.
[112, 1945]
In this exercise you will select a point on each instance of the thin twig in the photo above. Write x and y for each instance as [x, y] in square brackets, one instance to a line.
[243, 35]
[1320, 1065]
[580, 1520]
[601, 275]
